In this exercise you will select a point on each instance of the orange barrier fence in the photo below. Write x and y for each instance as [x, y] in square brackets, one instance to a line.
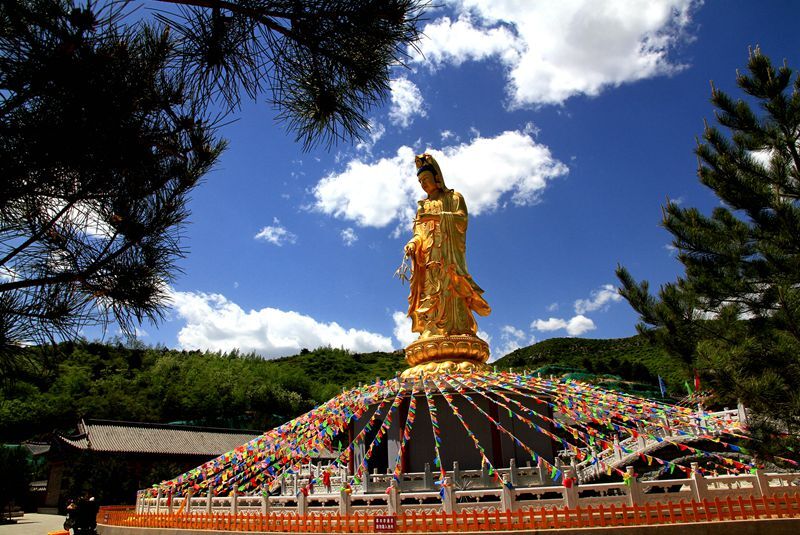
[786, 506]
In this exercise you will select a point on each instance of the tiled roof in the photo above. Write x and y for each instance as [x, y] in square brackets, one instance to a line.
[131, 437]
[37, 448]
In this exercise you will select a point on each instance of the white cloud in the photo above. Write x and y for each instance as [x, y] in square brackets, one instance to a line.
[349, 236]
[483, 335]
[575, 326]
[81, 217]
[214, 323]
[511, 332]
[487, 171]
[556, 50]
[276, 234]
[551, 324]
[600, 299]
[370, 194]
[763, 157]
[402, 328]
[407, 102]
[447, 134]
[376, 132]
[511, 339]
[453, 42]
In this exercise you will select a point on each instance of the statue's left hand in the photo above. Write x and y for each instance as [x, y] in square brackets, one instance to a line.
[404, 270]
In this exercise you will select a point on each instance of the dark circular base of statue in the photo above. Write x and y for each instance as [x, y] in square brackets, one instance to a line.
[455, 353]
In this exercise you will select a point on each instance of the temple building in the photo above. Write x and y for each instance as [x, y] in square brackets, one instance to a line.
[130, 452]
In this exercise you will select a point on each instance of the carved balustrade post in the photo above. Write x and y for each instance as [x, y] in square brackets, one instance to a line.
[641, 441]
[544, 479]
[742, 413]
[508, 501]
[570, 488]
[512, 472]
[761, 484]
[699, 484]
[448, 496]
[344, 501]
[701, 419]
[394, 498]
[428, 477]
[485, 481]
[635, 494]
[265, 505]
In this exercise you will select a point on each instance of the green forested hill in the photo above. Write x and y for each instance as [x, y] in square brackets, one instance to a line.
[632, 359]
[112, 381]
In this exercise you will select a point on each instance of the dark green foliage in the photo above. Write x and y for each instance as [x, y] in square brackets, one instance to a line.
[104, 133]
[326, 63]
[159, 385]
[113, 381]
[735, 314]
[629, 364]
[118, 382]
[15, 470]
[100, 146]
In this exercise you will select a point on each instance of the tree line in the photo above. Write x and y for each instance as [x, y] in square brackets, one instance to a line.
[152, 384]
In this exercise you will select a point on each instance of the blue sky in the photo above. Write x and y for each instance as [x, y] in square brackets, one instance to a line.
[566, 125]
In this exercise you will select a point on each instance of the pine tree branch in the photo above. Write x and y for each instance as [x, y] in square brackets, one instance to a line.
[70, 277]
[38, 235]
[262, 17]
[792, 148]
[236, 8]
[787, 310]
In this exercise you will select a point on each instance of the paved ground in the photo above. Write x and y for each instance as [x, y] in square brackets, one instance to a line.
[34, 524]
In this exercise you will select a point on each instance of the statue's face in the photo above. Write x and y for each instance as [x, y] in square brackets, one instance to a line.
[428, 182]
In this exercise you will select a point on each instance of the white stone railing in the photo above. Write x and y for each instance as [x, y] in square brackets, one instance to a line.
[393, 500]
[655, 436]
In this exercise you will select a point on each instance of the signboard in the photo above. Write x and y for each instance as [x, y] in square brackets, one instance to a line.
[386, 523]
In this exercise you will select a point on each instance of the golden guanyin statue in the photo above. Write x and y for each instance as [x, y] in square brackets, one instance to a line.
[443, 295]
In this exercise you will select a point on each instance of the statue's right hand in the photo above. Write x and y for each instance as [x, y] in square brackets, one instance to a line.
[409, 249]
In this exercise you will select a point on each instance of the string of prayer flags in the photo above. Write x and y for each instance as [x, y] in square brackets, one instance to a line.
[599, 428]
[449, 399]
[437, 439]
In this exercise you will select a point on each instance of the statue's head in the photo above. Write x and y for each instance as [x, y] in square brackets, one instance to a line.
[428, 173]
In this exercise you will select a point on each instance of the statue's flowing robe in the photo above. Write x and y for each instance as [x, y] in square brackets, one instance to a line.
[443, 294]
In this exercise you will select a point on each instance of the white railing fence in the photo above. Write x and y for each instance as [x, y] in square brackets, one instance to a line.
[452, 497]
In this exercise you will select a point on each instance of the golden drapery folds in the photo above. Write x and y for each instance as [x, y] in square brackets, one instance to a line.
[443, 295]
